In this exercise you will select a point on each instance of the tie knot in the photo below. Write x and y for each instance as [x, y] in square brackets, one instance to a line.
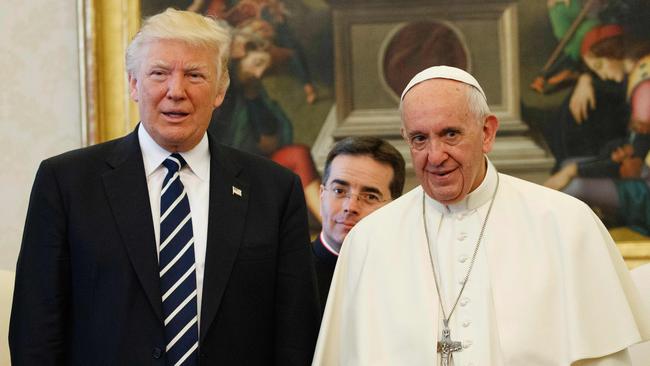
[174, 162]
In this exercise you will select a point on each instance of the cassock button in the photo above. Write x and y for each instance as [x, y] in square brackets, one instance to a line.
[460, 217]
[463, 258]
[466, 323]
[462, 236]
[461, 281]
[464, 301]
[467, 343]
[156, 353]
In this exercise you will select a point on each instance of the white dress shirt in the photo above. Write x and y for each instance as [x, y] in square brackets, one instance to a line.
[195, 176]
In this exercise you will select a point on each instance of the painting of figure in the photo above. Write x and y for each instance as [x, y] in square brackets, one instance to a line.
[582, 83]
[600, 134]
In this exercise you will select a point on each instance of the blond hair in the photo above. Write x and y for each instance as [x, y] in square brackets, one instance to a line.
[186, 26]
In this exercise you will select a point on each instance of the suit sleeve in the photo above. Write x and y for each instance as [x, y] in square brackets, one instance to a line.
[297, 308]
[41, 301]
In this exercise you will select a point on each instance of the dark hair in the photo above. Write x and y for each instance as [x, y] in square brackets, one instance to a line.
[376, 148]
[620, 47]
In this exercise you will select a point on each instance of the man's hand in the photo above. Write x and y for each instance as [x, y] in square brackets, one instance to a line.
[310, 93]
[621, 153]
[583, 99]
[631, 168]
[563, 177]
[538, 84]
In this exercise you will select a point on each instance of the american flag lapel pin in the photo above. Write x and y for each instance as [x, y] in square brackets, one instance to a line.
[236, 191]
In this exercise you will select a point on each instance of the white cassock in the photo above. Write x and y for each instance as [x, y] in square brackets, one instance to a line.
[548, 286]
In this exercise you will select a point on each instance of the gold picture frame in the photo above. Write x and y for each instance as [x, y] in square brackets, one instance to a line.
[634, 247]
[105, 29]
[635, 253]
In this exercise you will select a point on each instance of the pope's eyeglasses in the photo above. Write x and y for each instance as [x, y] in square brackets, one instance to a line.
[342, 192]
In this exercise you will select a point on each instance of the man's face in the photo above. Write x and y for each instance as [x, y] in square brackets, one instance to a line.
[354, 174]
[176, 88]
[253, 65]
[606, 68]
[450, 163]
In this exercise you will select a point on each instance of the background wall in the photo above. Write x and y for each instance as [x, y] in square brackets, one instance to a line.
[39, 103]
[39, 114]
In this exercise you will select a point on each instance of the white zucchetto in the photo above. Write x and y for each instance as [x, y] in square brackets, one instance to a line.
[443, 72]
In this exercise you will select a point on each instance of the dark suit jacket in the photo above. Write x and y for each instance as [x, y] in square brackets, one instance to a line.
[87, 285]
[325, 263]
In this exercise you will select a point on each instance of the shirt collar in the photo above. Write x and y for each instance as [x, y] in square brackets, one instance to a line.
[327, 245]
[198, 158]
[475, 199]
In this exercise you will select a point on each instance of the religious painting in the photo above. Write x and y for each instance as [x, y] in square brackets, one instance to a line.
[417, 45]
[306, 73]
[598, 131]
[281, 50]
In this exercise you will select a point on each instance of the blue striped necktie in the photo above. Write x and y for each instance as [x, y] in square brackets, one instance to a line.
[178, 268]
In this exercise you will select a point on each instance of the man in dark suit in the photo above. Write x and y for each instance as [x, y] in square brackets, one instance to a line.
[164, 247]
[361, 175]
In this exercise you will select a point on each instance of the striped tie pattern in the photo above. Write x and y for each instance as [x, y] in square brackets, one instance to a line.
[178, 268]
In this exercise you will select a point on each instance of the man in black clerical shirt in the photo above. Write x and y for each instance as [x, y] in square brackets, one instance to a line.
[361, 175]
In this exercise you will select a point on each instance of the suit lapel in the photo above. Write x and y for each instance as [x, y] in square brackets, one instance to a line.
[128, 196]
[229, 196]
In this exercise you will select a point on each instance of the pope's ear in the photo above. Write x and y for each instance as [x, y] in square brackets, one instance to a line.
[490, 127]
[133, 88]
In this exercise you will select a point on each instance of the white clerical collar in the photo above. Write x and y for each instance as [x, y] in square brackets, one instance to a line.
[198, 158]
[475, 199]
[327, 245]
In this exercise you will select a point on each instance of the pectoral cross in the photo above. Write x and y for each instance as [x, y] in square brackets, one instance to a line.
[447, 347]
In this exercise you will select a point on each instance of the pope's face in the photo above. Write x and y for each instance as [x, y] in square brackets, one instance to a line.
[354, 174]
[447, 141]
[176, 88]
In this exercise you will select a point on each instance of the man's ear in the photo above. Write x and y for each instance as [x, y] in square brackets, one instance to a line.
[133, 88]
[490, 127]
[219, 99]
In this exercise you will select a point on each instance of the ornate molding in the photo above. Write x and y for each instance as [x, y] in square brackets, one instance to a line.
[105, 29]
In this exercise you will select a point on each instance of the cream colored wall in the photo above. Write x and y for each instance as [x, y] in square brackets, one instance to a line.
[39, 102]
[6, 287]
[39, 111]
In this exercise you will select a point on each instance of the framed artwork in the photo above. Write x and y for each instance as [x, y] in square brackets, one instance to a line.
[326, 69]
[105, 28]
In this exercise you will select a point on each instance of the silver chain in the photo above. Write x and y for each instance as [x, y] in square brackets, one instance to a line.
[471, 264]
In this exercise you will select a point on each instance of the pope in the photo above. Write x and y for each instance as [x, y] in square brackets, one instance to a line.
[474, 266]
